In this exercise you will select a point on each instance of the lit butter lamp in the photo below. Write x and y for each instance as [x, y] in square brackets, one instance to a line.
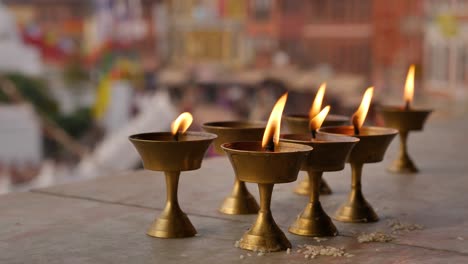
[330, 154]
[405, 119]
[266, 162]
[240, 201]
[172, 153]
[299, 124]
[370, 149]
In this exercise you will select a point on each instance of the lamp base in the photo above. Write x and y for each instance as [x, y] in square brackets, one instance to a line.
[403, 165]
[264, 235]
[304, 187]
[172, 224]
[240, 201]
[313, 221]
[356, 210]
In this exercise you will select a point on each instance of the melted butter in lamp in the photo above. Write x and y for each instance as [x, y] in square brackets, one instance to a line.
[363, 131]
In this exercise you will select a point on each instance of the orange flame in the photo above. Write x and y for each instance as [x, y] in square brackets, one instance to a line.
[272, 130]
[316, 122]
[182, 123]
[409, 85]
[317, 104]
[360, 115]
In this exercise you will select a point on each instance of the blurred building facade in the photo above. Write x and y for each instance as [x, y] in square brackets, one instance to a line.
[355, 36]
[376, 39]
[207, 31]
[445, 60]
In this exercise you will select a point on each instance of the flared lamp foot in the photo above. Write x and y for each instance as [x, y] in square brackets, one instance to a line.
[313, 221]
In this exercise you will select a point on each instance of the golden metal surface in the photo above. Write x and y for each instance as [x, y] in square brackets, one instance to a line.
[313, 221]
[403, 164]
[330, 154]
[373, 142]
[265, 235]
[356, 209]
[252, 164]
[299, 124]
[404, 121]
[371, 148]
[233, 131]
[304, 187]
[240, 201]
[172, 223]
[160, 152]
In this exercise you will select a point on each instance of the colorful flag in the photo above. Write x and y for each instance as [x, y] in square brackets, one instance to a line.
[102, 96]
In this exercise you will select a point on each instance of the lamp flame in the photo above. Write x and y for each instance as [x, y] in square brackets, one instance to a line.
[316, 122]
[272, 130]
[409, 86]
[359, 116]
[182, 123]
[317, 104]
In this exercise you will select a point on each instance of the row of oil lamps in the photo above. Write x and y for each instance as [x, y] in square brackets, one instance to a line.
[278, 158]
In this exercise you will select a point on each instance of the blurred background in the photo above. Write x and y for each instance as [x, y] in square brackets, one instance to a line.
[78, 76]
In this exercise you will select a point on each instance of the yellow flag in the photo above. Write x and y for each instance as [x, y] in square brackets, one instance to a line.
[448, 25]
[102, 97]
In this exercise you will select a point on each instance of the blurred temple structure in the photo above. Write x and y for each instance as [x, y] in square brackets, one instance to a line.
[374, 39]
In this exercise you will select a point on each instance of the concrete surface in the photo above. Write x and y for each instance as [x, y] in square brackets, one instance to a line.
[104, 220]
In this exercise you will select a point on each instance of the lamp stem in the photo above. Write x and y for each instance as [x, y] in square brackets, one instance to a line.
[239, 188]
[403, 145]
[172, 185]
[265, 235]
[356, 209]
[403, 164]
[315, 179]
[172, 223]
[266, 191]
[264, 224]
[356, 170]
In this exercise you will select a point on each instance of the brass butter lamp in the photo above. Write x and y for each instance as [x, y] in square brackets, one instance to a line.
[330, 154]
[299, 124]
[371, 148]
[240, 201]
[172, 153]
[405, 119]
[266, 163]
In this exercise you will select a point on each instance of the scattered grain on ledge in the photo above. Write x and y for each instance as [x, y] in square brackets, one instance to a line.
[319, 239]
[398, 227]
[311, 251]
[374, 237]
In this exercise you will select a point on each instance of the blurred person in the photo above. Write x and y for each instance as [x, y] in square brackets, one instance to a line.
[281, 59]
[264, 100]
